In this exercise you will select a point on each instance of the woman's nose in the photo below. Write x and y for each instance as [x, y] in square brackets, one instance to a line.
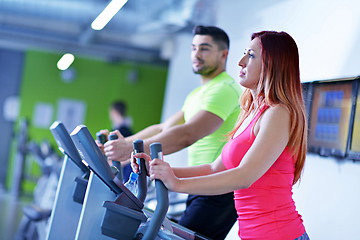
[242, 62]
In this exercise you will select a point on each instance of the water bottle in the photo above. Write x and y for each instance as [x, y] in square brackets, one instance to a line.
[131, 184]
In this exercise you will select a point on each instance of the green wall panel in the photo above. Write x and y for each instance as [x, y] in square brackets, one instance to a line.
[97, 84]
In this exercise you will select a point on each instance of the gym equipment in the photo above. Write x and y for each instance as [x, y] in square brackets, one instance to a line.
[177, 204]
[123, 216]
[33, 224]
[100, 181]
[102, 138]
[20, 157]
[71, 188]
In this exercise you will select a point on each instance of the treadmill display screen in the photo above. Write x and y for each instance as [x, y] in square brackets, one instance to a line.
[330, 117]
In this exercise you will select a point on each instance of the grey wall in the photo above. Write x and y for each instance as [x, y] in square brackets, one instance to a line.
[11, 65]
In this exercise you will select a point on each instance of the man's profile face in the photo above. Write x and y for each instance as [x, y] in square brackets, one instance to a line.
[206, 56]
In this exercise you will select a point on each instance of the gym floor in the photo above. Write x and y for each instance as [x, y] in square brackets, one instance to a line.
[11, 213]
[10, 216]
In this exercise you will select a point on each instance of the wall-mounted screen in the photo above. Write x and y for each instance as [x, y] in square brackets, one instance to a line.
[354, 149]
[330, 118]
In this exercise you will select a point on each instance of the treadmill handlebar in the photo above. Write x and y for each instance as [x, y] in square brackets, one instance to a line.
[91, 153]
[102, 138]
[138, 146]
[162, 198]
[66, 145]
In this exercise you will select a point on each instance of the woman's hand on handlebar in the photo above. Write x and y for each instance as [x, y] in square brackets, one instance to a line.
[158, 170]
[133, 162]
[162, 170]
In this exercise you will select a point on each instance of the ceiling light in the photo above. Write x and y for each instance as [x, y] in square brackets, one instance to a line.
[107, 14]
[65, 61]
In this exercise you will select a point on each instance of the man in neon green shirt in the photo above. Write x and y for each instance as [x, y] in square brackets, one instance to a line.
[208, 114]
[218, 97]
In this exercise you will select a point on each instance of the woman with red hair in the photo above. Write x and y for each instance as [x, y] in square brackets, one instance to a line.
[265, 154]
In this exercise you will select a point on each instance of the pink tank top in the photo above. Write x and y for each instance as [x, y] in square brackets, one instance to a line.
[266, 209]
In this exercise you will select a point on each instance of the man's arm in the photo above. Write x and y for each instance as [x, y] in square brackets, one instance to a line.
[172, 137]
[177, 118]
[120, 149]
[181, 136]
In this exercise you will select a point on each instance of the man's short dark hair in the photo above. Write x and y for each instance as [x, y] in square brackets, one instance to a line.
[120, 107]
[219, 36]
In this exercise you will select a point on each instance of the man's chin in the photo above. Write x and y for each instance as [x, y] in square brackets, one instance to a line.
[197, 71]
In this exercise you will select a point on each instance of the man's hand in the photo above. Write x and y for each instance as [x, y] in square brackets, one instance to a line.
[118, 149]
[100, 145]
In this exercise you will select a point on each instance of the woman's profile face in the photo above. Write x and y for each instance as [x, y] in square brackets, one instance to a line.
[251, 65]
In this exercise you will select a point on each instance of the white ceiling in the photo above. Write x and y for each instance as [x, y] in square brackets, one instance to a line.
[136, 33]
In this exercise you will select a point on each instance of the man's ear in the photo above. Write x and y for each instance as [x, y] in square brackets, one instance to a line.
[225, 53]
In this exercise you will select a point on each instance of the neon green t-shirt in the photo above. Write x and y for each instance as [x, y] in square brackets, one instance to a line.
[219, 96]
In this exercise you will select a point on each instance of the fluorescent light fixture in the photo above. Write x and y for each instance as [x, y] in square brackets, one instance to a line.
[65, 61]
[107, 14]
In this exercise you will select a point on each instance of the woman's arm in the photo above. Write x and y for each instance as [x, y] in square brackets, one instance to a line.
[271, 139]
[184, 172]
[201, 170]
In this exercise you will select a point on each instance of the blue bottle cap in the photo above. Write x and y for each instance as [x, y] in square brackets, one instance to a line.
[133, 176]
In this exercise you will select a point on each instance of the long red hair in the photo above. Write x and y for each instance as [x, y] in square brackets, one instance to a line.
[279, 83]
